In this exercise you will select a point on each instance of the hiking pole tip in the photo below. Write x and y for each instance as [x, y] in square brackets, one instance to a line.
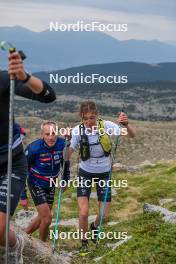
[53, 249]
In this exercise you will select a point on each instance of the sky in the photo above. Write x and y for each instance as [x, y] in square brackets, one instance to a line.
[146, 19]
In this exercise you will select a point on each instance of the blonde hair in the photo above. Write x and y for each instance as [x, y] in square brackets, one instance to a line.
[48, 122]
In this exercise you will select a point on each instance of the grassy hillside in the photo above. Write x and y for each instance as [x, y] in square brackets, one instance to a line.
[153, 240]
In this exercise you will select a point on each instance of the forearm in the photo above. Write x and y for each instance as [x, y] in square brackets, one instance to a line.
[35, 84]
[131, 131]
[66, 173]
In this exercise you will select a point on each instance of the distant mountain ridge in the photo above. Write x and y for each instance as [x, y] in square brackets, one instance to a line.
[136, 72]
[48, 51]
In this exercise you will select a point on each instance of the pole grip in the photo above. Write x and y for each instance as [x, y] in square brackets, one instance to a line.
[12, 50]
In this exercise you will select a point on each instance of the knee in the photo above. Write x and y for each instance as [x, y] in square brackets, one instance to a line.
[38, 220]
[83, 214]
[46, 220]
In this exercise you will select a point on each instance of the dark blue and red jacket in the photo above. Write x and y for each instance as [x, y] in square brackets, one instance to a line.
[46, 162]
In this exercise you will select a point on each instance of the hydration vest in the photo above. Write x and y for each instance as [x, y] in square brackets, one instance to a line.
[103, 140]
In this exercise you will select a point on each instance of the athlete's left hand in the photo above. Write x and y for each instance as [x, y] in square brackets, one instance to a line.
[123, 119]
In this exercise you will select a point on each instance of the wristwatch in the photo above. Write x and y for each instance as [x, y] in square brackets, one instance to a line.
[28, 76]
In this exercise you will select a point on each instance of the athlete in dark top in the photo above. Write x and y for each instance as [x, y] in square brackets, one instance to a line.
[47, 95]
[29, 87]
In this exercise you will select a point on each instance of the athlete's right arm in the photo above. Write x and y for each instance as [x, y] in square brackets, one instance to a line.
[29, 155]
[46, 95]
[26, 85]
[74, 143]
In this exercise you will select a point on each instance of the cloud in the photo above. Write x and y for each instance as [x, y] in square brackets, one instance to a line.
[142, 22]
[155, 7]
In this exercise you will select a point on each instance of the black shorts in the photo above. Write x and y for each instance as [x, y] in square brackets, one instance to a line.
[41, 195]
[19, 174]
[86, 182]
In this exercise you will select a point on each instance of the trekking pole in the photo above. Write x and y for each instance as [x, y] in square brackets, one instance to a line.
[107, 188]
[103, 210]
[65, 158]
[104, 203]
[117, 140]
[12, 49]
